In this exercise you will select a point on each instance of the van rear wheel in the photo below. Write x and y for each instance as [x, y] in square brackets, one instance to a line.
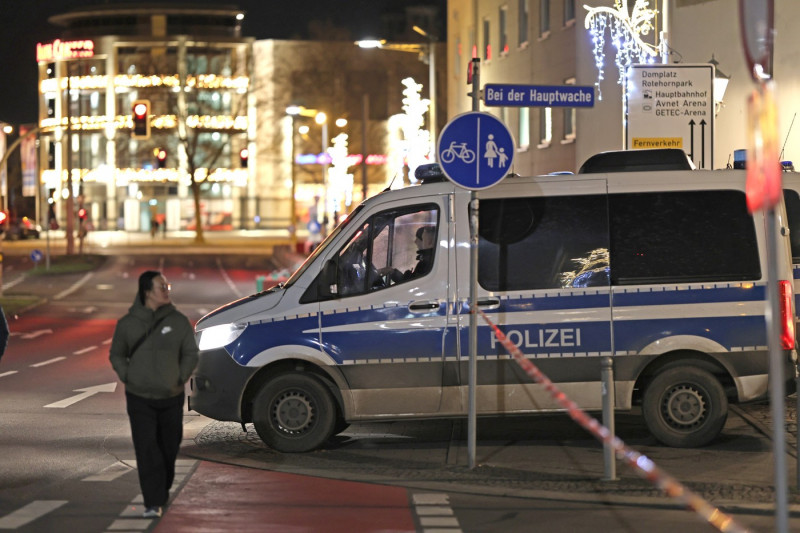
[685, 407]
[294, 413]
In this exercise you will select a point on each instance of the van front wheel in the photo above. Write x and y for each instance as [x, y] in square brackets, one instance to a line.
[294, 413]
[685, 407]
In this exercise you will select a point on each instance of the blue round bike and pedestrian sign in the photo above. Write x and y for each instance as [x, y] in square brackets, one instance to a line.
[475, 150]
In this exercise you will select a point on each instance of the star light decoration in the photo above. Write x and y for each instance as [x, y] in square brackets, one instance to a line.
[626, 29]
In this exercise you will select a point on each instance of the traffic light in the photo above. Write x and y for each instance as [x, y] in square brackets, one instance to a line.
[3, 218]
[141, 119]
[244, 153]
[161, 157]
[82, 214]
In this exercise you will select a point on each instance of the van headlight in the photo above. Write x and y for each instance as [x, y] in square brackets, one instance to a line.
[218, 336]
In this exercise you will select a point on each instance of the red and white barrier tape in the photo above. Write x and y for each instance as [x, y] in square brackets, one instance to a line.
[643, 466]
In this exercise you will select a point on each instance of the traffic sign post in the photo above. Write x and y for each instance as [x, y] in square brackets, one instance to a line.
[672, 106]
[475, 151]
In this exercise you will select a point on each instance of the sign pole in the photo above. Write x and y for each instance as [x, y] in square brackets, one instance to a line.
[475, 151]
[473, 287]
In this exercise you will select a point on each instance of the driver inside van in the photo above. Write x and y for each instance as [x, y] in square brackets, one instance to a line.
[425, 241]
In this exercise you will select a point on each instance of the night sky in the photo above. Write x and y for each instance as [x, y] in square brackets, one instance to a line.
[25, 24]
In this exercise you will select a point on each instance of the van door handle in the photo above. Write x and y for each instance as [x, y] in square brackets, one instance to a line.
[423, 305]
[489, 303]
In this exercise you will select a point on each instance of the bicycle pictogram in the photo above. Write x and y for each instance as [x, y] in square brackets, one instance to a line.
[458, 150]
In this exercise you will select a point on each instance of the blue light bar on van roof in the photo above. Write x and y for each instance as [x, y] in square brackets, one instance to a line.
[429, 172]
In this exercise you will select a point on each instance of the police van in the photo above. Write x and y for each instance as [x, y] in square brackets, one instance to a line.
[664, 271]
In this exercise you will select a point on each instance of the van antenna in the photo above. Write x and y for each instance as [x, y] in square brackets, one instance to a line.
[787, 136]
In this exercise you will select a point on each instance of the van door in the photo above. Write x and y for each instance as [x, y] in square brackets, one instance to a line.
[543, 277]
[387, 325]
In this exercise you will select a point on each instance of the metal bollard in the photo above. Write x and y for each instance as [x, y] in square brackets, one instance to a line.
[609, 457]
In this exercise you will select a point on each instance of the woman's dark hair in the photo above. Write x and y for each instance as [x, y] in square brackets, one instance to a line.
[146, 283]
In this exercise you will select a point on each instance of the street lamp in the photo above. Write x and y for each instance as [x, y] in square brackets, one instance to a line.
[322, 119]
[427, 54]
[720, 84]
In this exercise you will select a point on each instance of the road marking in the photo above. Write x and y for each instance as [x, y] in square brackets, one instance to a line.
[84, 393]
[111, 472]
[107, 341]
[8, 373]
[37, 333]
[16, 281]
[49, 361]
[434, 513]
[75, 286]
[29, 513]
[228, 280]
[84, 350]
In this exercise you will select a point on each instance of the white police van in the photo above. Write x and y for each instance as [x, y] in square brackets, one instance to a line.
[664, 271]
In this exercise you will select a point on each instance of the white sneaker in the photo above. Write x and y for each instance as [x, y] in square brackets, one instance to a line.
[152, 512]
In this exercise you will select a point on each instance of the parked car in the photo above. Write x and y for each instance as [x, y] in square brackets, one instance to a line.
[21, 228]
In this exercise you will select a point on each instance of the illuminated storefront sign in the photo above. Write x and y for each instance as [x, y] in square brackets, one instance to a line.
[352, 159]
[59, 50]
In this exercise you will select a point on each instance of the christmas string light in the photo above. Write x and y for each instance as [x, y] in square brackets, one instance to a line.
[626, 29]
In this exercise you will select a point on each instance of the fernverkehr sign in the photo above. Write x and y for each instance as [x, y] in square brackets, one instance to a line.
[672, 106]
[501, 94]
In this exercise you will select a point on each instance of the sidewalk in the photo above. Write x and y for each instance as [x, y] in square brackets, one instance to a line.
[545, 457]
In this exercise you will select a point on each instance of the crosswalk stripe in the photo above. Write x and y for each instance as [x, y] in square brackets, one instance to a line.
[111, 472]
[29, 513]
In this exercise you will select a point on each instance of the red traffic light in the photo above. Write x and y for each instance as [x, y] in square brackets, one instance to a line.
[161, 157]
[244, 153]
[141, 119]
[3, 217]
[82, 213]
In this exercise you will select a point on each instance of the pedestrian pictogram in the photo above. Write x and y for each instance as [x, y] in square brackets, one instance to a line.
[476, 150]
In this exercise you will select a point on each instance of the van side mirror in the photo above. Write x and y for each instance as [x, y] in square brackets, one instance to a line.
[325, 285]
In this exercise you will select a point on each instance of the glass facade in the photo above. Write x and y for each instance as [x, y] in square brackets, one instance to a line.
[199, 108]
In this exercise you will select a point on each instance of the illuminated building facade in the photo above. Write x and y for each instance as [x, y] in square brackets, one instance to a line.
[191, 67]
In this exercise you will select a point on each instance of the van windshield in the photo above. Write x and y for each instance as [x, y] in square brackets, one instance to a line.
[323, 246]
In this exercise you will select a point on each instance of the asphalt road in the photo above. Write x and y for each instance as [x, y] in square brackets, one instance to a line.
[67, 461]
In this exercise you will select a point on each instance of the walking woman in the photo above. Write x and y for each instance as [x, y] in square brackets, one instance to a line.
[154, 352]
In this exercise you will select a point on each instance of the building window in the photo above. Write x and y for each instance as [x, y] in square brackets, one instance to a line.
[522, 19]
[487, 47]
[503, 31]
[569, 118]
[545, 126]
[524, 133]
[569, 12]
[544, 18]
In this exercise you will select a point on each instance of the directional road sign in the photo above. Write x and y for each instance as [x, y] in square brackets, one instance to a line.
[672, 106]
[475, 150]
[498, 94]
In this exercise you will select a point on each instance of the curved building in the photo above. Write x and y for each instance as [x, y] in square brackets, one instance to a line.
[189, 66]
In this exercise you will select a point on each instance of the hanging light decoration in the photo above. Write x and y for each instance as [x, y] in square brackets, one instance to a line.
[626, 28]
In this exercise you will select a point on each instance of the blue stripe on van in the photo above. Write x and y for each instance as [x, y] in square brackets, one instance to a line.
[733, 333]
[264, 335]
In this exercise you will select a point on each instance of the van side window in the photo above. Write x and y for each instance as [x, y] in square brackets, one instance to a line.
[792, 201]
[680, 237]
[543, 243]
[392, 247]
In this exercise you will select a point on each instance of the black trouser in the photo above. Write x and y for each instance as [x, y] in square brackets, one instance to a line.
[157, 429]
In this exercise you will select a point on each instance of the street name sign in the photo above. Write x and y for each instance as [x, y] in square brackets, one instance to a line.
[499, 94]
[475, 150]
[672, 106]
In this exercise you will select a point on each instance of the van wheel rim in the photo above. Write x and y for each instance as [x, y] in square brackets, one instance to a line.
[293, 412]
[684, 406]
